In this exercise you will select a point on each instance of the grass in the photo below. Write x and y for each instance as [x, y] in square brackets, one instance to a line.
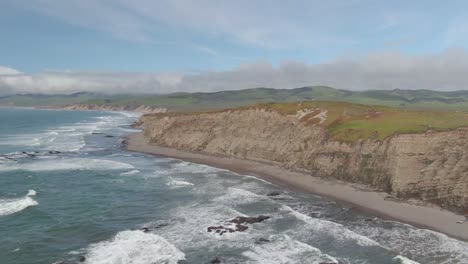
[403, 99]
[348, 122]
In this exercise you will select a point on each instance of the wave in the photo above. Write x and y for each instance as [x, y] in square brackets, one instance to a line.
[336, 230]
[130, 173]
[423, 244]
[236, 196]
[178, 183]
[282, 249]
[69, 164]
[403, 260]
[70, 137]
[134, 247]
[11, 206]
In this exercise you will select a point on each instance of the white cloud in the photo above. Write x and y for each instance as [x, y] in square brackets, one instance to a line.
[269, 24]
[8, 71]
[444, 71]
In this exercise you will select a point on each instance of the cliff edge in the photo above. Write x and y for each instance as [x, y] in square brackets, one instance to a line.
[429, 164]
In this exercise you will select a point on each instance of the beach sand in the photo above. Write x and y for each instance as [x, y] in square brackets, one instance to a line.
[432, 218]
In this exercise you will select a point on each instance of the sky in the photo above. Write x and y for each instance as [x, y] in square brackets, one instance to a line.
[146, 46]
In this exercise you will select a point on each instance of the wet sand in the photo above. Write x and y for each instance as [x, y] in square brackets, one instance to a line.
[432, 218]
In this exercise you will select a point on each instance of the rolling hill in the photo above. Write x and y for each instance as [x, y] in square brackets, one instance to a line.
[411, 99]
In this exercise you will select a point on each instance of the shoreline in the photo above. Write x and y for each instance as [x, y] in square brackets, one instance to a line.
[371, 202]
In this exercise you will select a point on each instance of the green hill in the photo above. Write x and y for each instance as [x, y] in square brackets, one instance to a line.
[408, 99]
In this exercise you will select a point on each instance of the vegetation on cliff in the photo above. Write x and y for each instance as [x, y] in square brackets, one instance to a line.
[349, 122]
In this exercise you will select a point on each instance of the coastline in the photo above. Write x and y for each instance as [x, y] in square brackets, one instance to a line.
[374, 203]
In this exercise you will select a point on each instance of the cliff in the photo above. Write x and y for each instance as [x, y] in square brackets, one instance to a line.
[94, 107]
[430, 166]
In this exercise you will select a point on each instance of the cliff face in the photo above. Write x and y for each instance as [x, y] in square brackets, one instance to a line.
[430, 166]
[139, 108]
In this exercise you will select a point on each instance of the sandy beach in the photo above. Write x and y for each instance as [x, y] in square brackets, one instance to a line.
[431, 218]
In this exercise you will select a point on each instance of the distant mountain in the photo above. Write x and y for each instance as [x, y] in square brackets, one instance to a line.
[420, 99]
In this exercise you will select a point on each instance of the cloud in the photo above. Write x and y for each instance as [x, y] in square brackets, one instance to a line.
[267, 24]
[444, 71]
[8, 71]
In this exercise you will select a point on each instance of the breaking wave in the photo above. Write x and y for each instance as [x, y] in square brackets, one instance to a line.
[11, 206]
[134, 247]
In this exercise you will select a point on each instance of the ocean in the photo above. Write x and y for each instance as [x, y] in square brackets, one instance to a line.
[69, 193]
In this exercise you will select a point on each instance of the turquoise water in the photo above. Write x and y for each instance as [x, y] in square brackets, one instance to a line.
[75, 193]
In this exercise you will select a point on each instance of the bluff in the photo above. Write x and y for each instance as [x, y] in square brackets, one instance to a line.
[95, 107]
[430, 165]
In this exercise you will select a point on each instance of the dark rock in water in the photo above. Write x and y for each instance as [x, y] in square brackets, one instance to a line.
[54, 152]
[369, 219]
[249, 220]
[214, 228]
[215, 260]
[145, 229]
[262, 241]
[240, 224]
[124, 143]
[108, 136]
[241, 228]
[97, 133]
[82, 259]
[274, 194]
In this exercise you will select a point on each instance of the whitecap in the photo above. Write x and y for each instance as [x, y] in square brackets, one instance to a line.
[282, 249]
[403, 260]
[130, 173]
[336, 230]
[178, 183]
[69, 164]
[421, 243]
[11, 206]
[134, 247]
[236, 196]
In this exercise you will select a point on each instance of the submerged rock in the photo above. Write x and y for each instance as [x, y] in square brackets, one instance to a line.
[249, 220]
[240, 224]
[274, 194]
[82, 259]
[215, 260]
[262, 241]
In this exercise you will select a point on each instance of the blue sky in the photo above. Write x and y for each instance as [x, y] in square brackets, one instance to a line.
[204, 37]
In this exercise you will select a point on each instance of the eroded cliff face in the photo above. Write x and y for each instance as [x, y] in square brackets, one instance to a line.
[431, 166]
[94, 107]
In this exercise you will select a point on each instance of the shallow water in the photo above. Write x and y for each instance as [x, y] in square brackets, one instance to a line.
[76, 193]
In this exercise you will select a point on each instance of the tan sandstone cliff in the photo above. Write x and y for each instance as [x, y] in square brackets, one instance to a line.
[94, 107]
[429, 166]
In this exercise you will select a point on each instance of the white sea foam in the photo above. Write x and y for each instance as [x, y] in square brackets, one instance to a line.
[238, 196]
[403, 260]
[11, 206]
[130, 173]
[68, 137]
[173, 183]
[190, 223]
[188, 167]
[282, 249]
[69, 164]
[423, 243]
[336, 230]
[134, 247]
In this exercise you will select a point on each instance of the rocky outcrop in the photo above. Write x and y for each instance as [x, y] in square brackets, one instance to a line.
[94, 107]
[430, 166]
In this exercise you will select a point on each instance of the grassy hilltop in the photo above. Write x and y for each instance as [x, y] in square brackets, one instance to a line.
[408, 99]
[348, 122]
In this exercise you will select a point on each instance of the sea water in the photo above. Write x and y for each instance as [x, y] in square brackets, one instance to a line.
[70, 192]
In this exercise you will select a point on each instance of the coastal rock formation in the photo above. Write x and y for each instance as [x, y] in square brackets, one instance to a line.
[431, 166]
[95, 107]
